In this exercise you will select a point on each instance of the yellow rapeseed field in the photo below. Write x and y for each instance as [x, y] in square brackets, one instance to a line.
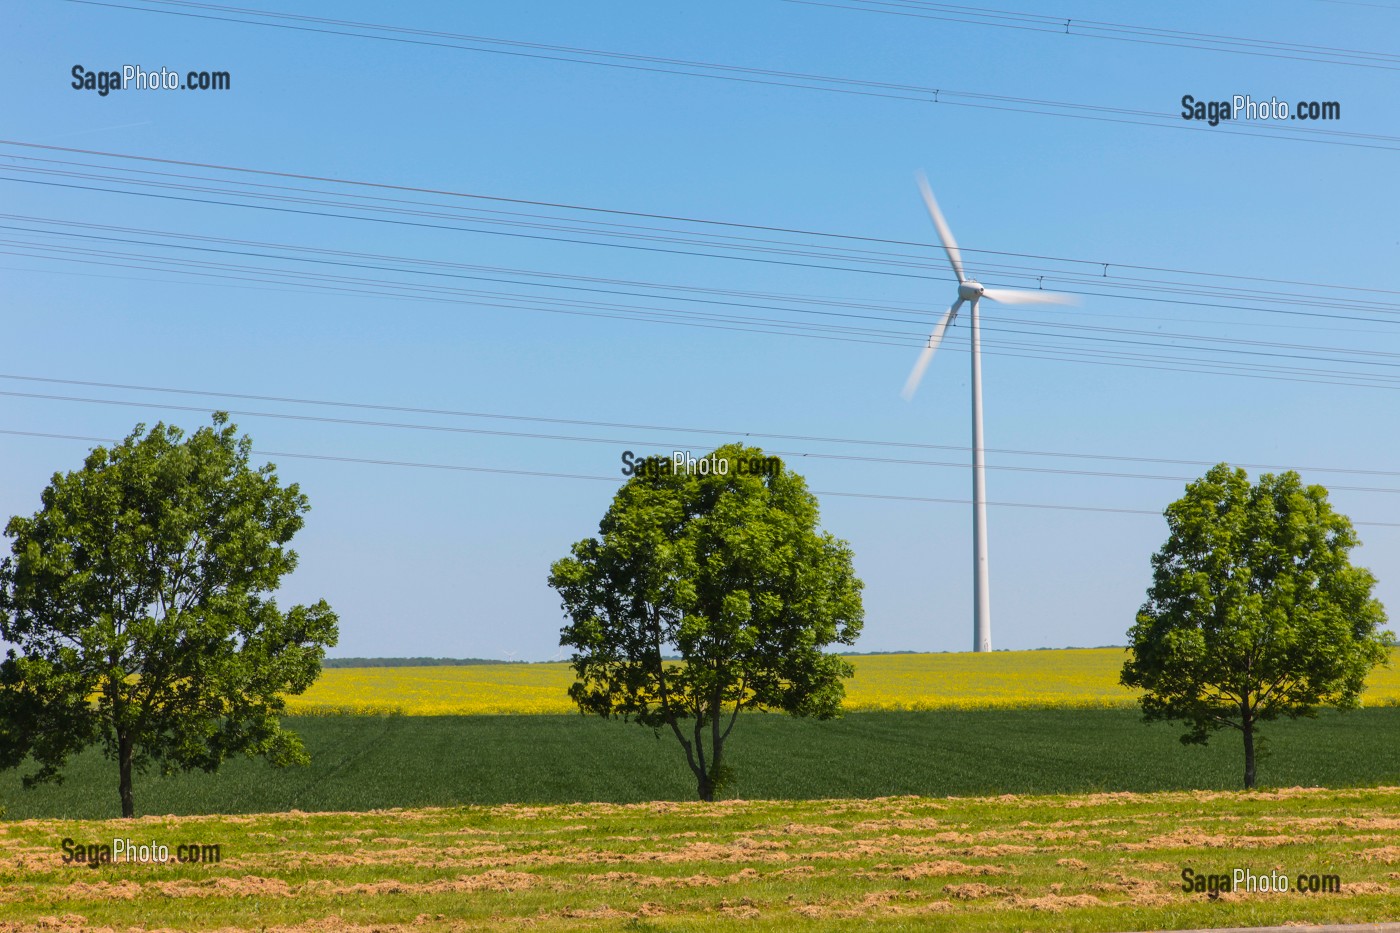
[1003, 679]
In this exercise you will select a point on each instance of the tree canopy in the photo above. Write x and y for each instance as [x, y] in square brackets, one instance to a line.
[727, 571]
[139, 599]
[1255, 610]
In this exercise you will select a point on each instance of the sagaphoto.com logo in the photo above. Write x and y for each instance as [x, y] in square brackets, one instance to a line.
[134, 77]
[1245, 107]
[136, 852]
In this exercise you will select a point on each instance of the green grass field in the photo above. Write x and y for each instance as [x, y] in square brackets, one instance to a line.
[1097, 863]
[368, 762]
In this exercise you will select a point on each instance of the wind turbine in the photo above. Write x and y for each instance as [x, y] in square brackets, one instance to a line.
[971, 292]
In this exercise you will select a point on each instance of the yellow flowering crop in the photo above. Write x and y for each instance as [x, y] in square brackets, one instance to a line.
[440, 691]
[1002, 679]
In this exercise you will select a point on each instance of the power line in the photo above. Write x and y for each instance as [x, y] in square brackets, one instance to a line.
[438, 269]
[1090, 263]
[1372, 307]
[768, 325]
[1095, 356]
[764, 76]
[435, 267]
[293, 288]
[1118, 32]
[613, 479]
[768, 261]
[633, 441]
[1377, 6]
[1081, 332]
[1094, 284]
[989, 16]
[745, 324]
[435, 226]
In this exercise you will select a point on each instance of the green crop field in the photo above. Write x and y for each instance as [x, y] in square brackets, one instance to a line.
[1089, 863]
[367, 762]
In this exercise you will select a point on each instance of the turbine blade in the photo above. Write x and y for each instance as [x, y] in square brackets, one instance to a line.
[917, 374]
[950, 245]
[911, 385]
[1015, 296]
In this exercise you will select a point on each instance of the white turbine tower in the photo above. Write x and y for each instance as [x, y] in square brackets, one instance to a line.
[972, 292]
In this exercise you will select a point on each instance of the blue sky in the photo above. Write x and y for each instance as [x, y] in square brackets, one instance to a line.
[453, 562]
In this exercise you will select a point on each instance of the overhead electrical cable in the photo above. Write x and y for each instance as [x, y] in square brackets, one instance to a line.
[1376, 312]
[1040, 350]
[612, 441]
[1055, 329]
[613, 479]
[691, 429]
[911, 262]
[279, 252]
[1118, 32]
[1329, 287]
[671, 292]
[735, 73]
[1037, 273]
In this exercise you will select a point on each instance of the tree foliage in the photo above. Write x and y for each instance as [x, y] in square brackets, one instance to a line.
[730, 573]
[1255, 610]
[139, 599]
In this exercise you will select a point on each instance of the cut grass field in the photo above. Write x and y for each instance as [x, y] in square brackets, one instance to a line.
[1001, 680]
[1095, 863]
[370, 762]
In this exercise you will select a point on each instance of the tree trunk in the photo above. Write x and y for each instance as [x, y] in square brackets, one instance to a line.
[716, 742]
[715, 759]
[704, 786]
[1247, 725]
[707, 773]
[124, 750]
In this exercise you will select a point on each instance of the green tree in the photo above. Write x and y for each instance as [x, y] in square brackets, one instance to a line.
[729, 573]
[139, 599]
[1255, 610]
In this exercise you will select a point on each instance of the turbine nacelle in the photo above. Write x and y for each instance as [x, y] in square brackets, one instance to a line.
[970, 290]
